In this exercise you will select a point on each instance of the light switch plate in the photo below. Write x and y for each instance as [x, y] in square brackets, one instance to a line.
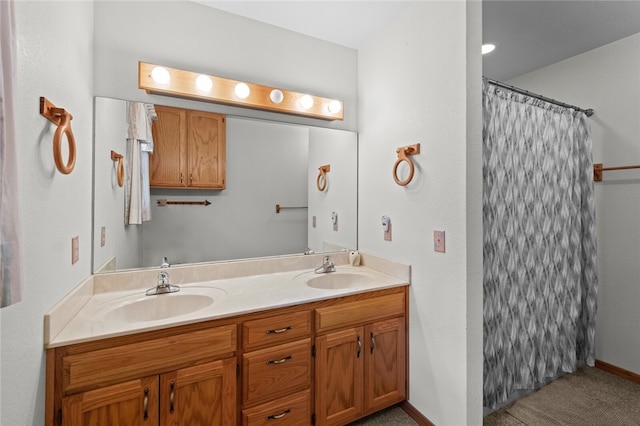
[438, 241]
[387, 233]
[75, 250]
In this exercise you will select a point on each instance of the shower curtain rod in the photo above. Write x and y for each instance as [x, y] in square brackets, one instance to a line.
[589, 112]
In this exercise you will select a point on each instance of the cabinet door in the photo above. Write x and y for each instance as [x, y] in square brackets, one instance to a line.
[385, 368]
[167, 164]
[339, 369]
[203, 395]
[132, 403]
[206, 149]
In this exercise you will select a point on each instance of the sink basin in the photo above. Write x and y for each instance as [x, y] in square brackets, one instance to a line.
[338, 280]
[141, 308]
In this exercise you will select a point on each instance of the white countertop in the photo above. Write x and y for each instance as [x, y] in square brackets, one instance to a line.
[94, 317]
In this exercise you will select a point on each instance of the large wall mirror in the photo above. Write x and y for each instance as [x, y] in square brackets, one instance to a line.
[267, 164]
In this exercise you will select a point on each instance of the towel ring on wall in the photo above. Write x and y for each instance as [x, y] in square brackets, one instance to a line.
[322, 177]
[62, 119]
[120, 166]
[403, 155]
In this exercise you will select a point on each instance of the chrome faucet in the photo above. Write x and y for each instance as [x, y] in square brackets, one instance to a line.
[327, 266]
[163, 286]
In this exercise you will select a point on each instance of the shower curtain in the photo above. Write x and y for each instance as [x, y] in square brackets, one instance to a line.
[11, 269]
[539, 237]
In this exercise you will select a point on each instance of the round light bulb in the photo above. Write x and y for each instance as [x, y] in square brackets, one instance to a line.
[306, 102]
[487, 48]
[276, 96]
[160, 75]
[204, 83]
[335, 107]
[242, 90]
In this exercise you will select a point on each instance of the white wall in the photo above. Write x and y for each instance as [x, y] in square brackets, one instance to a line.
[419, 82]
[191, 36]
[608, 80]
[55, 41]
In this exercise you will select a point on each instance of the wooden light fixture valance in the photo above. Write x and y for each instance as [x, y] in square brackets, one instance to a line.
[163, 80]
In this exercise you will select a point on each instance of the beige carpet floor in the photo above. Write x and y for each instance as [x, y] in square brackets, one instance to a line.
[588, 397]
[391, 416]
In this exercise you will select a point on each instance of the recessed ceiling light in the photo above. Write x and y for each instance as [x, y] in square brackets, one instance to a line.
[486, 48]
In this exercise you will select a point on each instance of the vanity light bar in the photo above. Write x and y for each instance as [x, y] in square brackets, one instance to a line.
[161, 80]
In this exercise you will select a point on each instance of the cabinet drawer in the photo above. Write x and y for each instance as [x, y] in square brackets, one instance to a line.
[291, 410]
[276, 329]
[107, 366]
[359, 312]
[274, 372]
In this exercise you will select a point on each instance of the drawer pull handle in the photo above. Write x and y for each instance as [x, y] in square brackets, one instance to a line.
[146, 404]
[279, 361]
[172, 394]
[373, 342]
[279, 330]
[359, 346]
[279, 416]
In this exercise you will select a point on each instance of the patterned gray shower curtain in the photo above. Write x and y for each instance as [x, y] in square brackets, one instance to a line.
[539, 236]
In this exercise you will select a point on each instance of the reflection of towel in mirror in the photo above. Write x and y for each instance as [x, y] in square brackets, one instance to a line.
[138, 121]
[139, 144]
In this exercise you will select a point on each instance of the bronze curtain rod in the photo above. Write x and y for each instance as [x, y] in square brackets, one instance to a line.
[589, 112]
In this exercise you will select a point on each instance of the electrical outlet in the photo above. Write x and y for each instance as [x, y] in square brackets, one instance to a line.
[438, 241]
[75, 250]
[313, 221]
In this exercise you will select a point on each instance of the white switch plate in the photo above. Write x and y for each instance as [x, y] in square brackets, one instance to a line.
[438, 241]
[75, 250]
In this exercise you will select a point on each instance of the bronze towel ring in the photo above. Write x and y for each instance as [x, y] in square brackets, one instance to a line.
[322, 176]
[120, 166]
[62, 119]
[403, 155]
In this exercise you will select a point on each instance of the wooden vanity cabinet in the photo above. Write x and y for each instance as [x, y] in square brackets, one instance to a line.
[166, 379]
[199, 395]
[360, 358]
[276, 369]
[327, 362]
[189, 149]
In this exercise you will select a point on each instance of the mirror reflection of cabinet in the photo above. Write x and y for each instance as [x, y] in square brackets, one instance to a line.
[189, 149]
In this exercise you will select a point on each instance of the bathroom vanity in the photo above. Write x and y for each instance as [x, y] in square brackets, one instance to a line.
[285, 348]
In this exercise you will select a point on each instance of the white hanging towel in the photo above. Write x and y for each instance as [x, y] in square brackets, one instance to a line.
[139, 145]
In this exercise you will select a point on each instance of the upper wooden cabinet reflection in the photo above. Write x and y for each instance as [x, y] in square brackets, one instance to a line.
[189, 149]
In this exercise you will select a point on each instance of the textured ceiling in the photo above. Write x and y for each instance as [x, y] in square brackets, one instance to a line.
[528, 34]
[532, 34]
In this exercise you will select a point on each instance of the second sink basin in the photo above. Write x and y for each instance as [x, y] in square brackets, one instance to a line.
[338, 280]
